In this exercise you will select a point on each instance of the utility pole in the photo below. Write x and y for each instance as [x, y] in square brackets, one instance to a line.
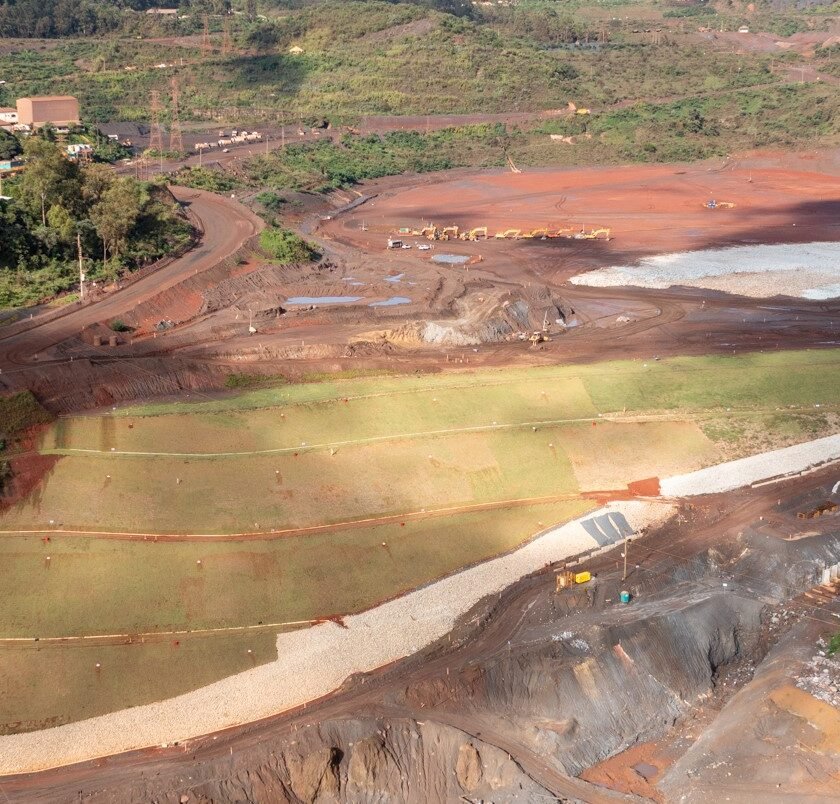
[176, 141]
[226, 37]
[205, 38]
[155, 138]
[81, 267]
[626, 546]
[251, 9]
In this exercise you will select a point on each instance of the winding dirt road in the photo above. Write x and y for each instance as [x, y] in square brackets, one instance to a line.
[226, 225]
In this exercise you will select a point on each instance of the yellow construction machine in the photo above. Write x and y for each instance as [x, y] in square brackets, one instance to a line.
[593, 235]
[448, 233]
[508, 234]
[479, 233]
[567, 578]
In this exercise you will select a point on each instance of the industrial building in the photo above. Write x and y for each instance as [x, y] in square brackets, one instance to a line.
[60, 110]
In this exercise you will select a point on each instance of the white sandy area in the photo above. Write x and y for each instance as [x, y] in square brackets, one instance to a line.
[314, 662]
[743, 472]
[806, 270]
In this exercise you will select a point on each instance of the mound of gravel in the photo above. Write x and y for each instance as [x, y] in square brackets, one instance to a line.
[807, 270]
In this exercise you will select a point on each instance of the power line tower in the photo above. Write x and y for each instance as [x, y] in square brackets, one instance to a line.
[176, 141]
[205, 38]
[226, 37]
[251, 9]
[155, 138]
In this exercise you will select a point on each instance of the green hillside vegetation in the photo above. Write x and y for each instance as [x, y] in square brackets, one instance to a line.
[121, 224]
[375, 57]
[653, 99]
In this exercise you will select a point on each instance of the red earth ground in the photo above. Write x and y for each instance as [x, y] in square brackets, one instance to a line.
[649, 209]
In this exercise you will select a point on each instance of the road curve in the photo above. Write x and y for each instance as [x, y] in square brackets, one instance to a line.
[226, 225]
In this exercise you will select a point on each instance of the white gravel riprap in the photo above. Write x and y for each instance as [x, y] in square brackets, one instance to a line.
[807, 270]
[316, 661]
[743, 472]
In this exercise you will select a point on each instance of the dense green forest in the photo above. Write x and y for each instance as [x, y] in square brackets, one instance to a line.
[57, 204]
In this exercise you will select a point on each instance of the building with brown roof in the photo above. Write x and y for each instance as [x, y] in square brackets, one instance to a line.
[60, 110]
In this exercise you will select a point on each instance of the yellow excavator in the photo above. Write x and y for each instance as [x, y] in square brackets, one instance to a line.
[479, 233]
[593, 235]
[448, 233]
[508, 234]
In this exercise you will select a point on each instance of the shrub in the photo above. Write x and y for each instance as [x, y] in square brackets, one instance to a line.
[286, 247]
[271, 201]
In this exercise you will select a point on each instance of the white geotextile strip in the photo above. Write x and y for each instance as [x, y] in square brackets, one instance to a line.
[743, 472]
[311, 662]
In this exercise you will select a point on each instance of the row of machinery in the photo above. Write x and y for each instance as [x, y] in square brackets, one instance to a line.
[432, 232]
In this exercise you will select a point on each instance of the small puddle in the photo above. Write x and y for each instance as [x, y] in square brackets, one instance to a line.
[323, 299]
[392, 302]
[395, 279]
[451, 259]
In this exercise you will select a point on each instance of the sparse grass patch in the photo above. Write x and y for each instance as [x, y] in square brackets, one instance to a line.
[46, 685]
[20, 411]
[244, 380]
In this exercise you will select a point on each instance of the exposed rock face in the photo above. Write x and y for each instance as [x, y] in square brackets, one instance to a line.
[314, 777]
[358, 760]
[468, 767]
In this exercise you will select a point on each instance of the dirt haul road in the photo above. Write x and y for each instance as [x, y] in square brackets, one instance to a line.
[226, 225]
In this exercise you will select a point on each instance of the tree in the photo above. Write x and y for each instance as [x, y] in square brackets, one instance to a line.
[117, 212]
[96, 180]
[60, 220]
[49, 179]
[9, 146]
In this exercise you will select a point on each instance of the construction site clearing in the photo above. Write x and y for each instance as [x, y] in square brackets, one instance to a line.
[636, 680]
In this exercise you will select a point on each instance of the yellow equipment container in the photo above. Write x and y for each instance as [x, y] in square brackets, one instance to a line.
[566, 579]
